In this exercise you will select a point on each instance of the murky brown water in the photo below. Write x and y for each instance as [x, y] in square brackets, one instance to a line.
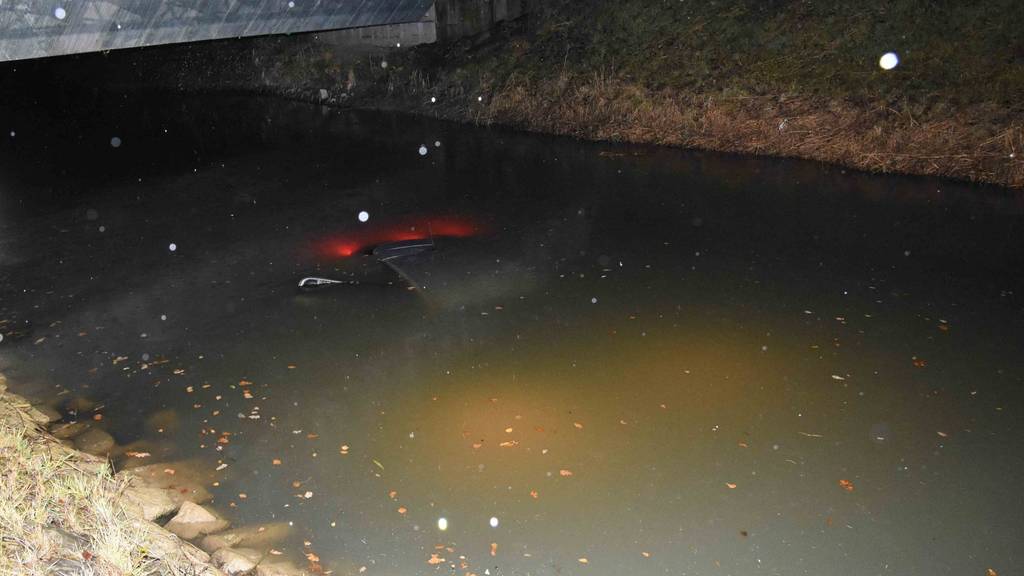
[648, 361]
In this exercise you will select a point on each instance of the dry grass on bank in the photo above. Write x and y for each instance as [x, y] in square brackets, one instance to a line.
[48, 503]
[878, 139]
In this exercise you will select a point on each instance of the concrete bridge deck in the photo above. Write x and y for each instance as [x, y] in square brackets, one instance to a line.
[41, 28]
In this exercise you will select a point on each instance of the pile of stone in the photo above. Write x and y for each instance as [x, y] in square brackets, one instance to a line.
[168, 500]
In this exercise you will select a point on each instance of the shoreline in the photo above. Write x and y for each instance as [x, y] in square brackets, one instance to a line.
[689, 76]
[76, 516]
[795, 81]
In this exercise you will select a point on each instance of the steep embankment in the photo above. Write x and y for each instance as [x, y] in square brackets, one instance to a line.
[787, 78]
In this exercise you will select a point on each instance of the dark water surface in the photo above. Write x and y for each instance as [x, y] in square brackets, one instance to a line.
[642, 361]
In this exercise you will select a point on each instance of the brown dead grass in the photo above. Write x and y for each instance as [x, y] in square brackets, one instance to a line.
[872, 138]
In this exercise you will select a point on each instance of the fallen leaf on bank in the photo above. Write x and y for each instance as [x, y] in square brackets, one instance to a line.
[134, 454]
[846, 485]
[169, 471]
[86, 555]
[435, 559]
[564, 472]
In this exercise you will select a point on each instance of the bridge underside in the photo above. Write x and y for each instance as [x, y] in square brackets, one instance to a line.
[41, 28]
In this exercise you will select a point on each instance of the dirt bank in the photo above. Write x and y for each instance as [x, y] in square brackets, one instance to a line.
[778, 78]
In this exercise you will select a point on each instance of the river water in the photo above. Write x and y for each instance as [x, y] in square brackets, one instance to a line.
[615, 360]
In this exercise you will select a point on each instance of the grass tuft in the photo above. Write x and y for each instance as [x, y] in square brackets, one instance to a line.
[54, 512]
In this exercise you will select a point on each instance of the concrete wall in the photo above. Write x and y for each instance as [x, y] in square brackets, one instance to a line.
[388, 36]
[457, 19]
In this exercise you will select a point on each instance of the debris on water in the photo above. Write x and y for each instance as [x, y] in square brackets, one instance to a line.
[846, 485]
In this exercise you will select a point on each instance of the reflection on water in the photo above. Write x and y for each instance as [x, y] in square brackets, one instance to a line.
[652, 362]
